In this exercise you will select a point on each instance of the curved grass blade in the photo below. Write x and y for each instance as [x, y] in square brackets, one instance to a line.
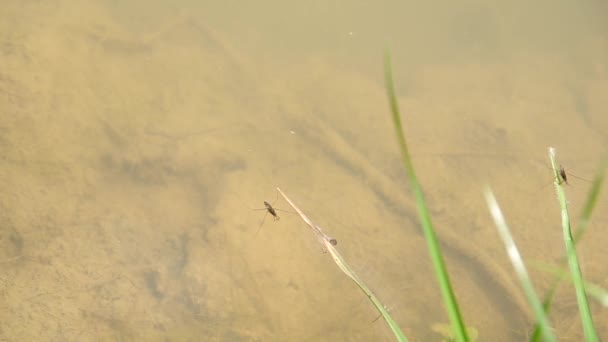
[441, 272]
[329, 245]
[518, 265]
[594, 291]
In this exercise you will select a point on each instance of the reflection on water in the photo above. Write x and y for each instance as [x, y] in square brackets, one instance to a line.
[135, 139]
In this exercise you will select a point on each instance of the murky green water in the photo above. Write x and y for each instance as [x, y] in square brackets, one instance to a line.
[135, 139]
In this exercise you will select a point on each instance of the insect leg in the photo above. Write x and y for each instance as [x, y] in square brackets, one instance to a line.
[261, 223]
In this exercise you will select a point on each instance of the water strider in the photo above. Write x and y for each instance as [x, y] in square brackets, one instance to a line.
[269, 209]
[564, 176]
[272, 210]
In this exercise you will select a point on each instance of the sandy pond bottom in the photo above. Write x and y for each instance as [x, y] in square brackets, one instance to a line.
[133, 144]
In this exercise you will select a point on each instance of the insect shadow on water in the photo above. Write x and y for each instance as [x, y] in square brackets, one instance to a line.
[268, 207]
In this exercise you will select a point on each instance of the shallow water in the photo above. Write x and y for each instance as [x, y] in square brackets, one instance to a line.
[135, 139]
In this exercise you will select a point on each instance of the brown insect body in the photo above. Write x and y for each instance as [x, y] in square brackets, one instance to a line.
[271, 210]
[563, 174]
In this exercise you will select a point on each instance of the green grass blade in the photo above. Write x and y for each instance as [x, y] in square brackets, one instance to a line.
[577, 276]
[584, 219]
[591, 201]
[339, 260]
[427, 226]
[518, 265]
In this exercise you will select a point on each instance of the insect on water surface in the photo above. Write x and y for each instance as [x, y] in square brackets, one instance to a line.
[272, 210]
